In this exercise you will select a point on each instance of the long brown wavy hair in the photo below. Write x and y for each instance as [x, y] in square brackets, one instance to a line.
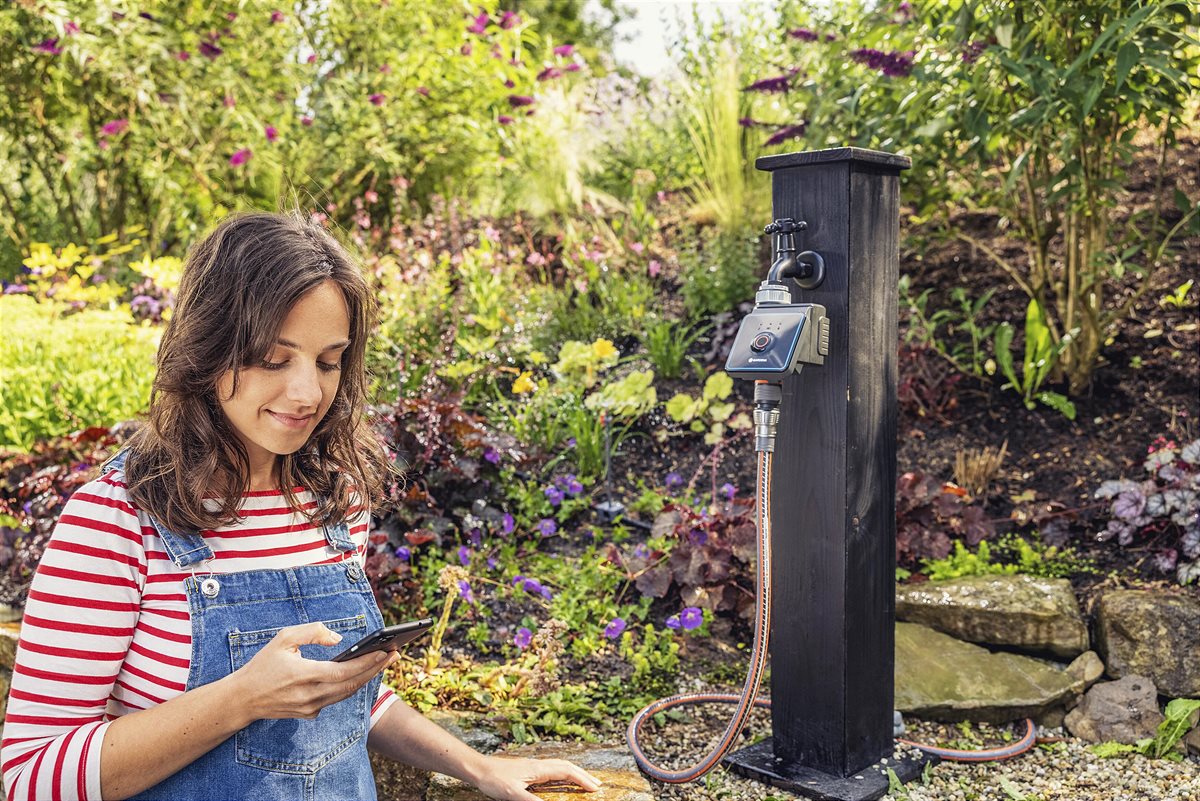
[238, 285]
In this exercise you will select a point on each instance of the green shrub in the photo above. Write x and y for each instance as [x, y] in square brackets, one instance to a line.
[64, 372]
[719, 271]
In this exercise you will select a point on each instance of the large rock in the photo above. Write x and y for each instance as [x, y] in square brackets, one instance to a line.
[614, 767]
[1123, 711]
[10, 633]
[1154, 634]
[1087, 669]
[943, 678]
[1025, 612]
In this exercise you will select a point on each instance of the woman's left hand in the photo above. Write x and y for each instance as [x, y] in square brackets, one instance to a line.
[508, 778]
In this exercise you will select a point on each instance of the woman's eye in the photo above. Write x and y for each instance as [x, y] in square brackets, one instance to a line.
[266, 365]
[330, 367]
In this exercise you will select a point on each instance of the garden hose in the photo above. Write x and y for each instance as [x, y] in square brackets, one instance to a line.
[767, 397]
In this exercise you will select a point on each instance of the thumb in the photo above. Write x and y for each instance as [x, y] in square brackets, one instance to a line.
[308, 634]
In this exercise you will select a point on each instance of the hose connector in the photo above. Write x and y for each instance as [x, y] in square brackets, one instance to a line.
[767, 397]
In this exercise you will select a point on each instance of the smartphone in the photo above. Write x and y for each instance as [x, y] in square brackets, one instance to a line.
[386, 639]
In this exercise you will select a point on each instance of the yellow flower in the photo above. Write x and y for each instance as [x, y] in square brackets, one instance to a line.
[40, 256]
[524, 383]
[603, 349]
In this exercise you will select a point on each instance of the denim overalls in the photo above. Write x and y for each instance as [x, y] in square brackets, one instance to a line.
[234, 615]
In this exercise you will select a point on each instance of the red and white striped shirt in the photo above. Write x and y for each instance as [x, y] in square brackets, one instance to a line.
[106, 629]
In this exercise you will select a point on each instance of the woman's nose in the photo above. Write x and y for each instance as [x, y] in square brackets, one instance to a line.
[304, 387]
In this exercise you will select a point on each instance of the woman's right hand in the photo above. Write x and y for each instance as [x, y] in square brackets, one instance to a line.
[278, 682]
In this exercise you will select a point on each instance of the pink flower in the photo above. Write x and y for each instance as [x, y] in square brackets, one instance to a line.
[114, 127]
[231, 16]
[70, 28]
[377, 99]
[655, 267]
[276, 17]
[183, 55]
[312, 58]
[573, 67]
[385, 68]
[516, 101]
[508, 84]
[229, 101]
[509, 20]
[48, 46]
[549, 73]
[306, 121]
[466, 49]
[637, 247]
[504, 119]
[371, 196]
[240, 157]
[480, 23]
[271, 133]
[423, 91]
[564, 50]
[103, 144]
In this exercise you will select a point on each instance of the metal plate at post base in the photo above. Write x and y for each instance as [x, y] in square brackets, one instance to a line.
[758, 762]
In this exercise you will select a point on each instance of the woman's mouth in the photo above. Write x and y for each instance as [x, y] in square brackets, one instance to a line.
[291, 421]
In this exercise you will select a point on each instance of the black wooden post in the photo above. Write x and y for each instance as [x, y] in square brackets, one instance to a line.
[834, 523]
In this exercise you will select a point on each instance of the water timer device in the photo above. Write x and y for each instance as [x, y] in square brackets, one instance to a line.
[774, 340]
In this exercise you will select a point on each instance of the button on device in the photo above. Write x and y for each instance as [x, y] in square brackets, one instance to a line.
[762, 342]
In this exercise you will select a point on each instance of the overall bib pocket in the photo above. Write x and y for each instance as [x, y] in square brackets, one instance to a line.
[294, 745]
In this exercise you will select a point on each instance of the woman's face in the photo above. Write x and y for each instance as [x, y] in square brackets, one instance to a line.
[279, 402]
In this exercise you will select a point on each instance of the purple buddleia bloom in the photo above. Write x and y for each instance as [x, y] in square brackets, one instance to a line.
[114, 127]
[549, 74]
[276, 17]
[673, 480]
[673, 622]
[404, 553]
[516, 101]
[504, 119]
[691, 618]
[784, 134]
[509, 20]
[240, 157]
[507, 524]
[48, 46]
[491, 455]
[780, 83]
[377, 99]
[464, 589]
[464, 555]
[522, 638]
[547, 526]
[209, 50]
[564, 50]
[479, 24]
[554, 495]
[614, 628]
[804, 35]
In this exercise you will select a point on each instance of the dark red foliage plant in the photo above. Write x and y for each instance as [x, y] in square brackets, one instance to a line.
[930, 515]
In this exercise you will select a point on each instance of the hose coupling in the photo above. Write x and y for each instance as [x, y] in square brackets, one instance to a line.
[767, 397]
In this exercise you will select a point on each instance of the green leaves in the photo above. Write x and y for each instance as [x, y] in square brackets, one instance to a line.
[1041, 354]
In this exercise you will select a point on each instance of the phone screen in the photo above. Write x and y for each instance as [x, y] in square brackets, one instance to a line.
[386, 639]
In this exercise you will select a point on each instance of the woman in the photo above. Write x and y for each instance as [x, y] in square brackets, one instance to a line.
[177, 636]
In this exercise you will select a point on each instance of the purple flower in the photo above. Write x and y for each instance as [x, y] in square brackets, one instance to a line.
[504, 119]
[728, 490]
[70, 28]
[492, 563]
[750, 122]
[573, 486]
[691, 618]
[896, 64]
[114, 127]
[312, 58]
[183, 55]
[48, 46]
[564, 50]
[641, 552]
[803, 34]
[271, 133]
[507, 524]
[518, 579]
[404, 553]
[516, 101]
[229, 101]
[306, 121]
[377, 99]
[480, 23]
[466, 49]
[209, 50]
[614, 628]
[673, 622]
[464, 555]
[972, 50]
[423, 91]
[554, 495]
[570, 442]
[698, 537]
[549, 74]
[509, 20]
[784, 134]
[240, 157]
[573, 67]
[673, 480]
[780, 83]
[547, 526]
[276, 17]
[491, 455]
[522, 638]
[464, 589]
[475, 535]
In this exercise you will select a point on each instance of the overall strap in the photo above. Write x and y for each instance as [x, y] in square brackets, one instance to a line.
[184, 549]
[338, 537]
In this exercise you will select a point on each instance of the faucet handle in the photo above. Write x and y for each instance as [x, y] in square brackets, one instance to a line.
[785, 225]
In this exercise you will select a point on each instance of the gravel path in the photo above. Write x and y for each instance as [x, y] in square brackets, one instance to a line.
[1057, 771]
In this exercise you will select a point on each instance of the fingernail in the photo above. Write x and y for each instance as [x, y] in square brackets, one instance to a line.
[336, 637]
